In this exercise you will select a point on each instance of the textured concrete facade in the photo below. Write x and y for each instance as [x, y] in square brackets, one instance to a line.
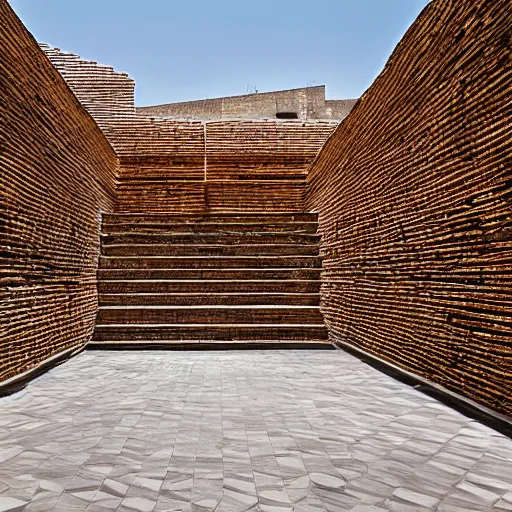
[305, 103]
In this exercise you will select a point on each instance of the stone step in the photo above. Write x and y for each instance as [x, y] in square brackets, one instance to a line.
[207, 286]
[204, 262]
[209, 315]
[310, 344]
[210, 250]
[209, 332]
[217, 217]
[209, 279]
[209, 227]
[213, 299]
[209, 238]
[186, 273]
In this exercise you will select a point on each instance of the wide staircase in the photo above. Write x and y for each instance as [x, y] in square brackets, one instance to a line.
[205, 280]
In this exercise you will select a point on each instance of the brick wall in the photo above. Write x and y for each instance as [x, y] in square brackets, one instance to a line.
[260, 165]
[57, 173]
[105, 93]
[414, 194]
[165, 165]
[174, 166]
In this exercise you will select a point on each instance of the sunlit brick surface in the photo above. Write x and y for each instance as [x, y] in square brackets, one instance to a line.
[57, 173]
[414, 194]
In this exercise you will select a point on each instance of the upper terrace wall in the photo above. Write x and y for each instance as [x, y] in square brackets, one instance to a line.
[57, 171]
[414, 194]
[175, 166]
[167, 166]
[339, 109]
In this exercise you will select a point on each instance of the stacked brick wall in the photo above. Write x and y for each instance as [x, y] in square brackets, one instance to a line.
[414, 194]
[57, 172]
[244, 165]
[167, 166]
[106, 94]
[162, 164]
[260, 165]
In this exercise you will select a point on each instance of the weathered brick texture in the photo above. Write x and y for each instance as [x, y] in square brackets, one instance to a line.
[105, 93]
[57, 171]
[173, 166]
[414, 194]
[260, 165]
[188, 166]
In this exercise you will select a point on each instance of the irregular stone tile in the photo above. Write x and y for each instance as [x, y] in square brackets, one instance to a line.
[11, 504]
[139, 504]
[327, 481]
[273, 508]
[147, 483]
[367, 508]
[42, 504]
[415, 498]
[231, 503]
[174, 429]
[166, 505]
[505, 503]
[277, 497]
[240, 485]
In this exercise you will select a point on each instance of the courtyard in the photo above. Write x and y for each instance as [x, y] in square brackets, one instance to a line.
[269, 431]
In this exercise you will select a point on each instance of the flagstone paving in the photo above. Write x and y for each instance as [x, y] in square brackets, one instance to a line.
[268, 431]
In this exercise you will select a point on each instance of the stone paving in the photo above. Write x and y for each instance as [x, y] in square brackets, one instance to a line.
[268, 431]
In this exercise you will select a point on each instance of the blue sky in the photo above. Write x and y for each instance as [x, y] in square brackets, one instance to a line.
[180, 50]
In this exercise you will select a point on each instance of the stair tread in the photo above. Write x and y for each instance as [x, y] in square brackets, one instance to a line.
[223, 227]
[227, 307]
[236, 220]
[215, 269]
[245, 294]
[209, 326]
[229, 213]
[235, 256]
[278, 234]
[192, 341]
[231, 253]
[209, 280]
[211, 245]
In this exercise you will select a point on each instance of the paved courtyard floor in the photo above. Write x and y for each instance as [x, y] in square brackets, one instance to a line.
[269, 431]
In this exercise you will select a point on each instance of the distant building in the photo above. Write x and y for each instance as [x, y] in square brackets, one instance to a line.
[107, 94]
[304, 104]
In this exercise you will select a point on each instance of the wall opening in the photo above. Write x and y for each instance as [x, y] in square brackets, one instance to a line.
[287, 115]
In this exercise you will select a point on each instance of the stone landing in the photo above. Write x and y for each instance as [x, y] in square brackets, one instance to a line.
[268, 431]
